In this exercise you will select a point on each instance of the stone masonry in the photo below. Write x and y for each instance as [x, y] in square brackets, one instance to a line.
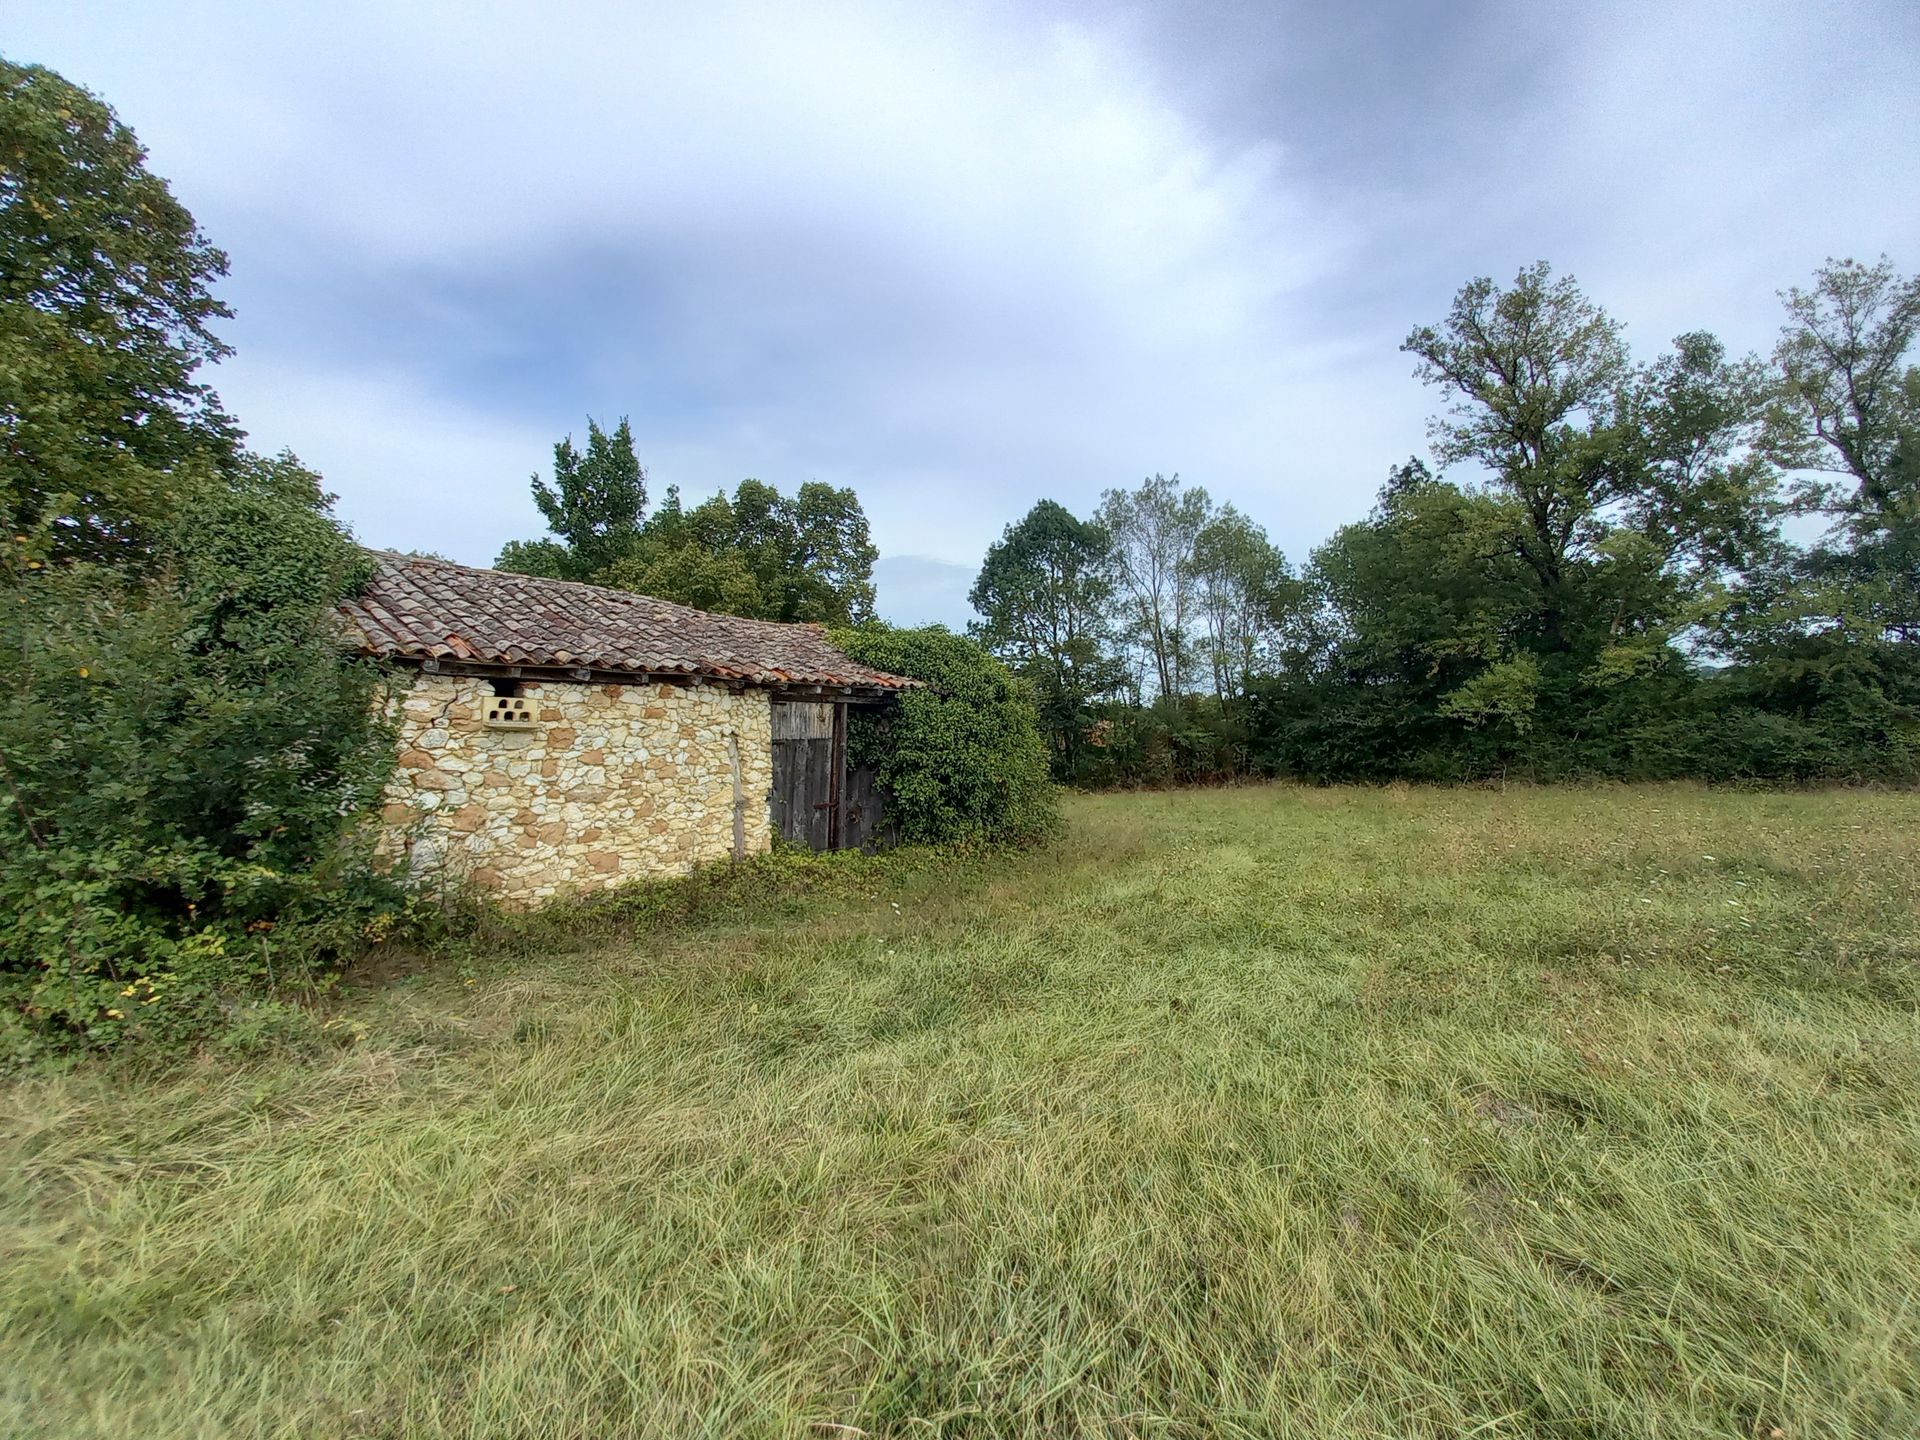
[613, 783]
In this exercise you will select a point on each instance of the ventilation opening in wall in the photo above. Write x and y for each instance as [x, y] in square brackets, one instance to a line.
[507, 709]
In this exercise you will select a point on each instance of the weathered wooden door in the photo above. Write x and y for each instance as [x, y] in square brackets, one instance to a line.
[818, 801]
[806, 766]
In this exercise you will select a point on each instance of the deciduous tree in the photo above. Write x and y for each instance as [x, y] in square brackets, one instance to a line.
[1043, 593]
[106, 316]
[806, 557]
[1246, 593]
[1531, 374]
[1851, 408]
[1852, 393]
[1153, 530]
[594, 507]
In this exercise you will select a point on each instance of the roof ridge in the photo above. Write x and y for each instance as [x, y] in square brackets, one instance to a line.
[401, 557]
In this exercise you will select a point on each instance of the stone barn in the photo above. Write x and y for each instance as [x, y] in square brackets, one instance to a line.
[557, 737]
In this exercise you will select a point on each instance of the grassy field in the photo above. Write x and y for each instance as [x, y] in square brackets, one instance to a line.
[1262, 1112]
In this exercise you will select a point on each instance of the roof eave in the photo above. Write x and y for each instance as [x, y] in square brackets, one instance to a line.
[795, 687]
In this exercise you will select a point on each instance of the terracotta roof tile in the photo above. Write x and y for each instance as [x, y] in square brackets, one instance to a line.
[416, 608]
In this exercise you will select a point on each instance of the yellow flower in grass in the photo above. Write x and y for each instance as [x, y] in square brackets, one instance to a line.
[116, 1014]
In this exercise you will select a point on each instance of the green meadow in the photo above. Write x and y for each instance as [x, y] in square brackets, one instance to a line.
[1582, 1112]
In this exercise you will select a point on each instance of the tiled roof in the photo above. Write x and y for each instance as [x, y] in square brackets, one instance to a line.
[420, 609]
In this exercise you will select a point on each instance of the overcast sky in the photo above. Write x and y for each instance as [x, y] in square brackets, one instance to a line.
[961, 257]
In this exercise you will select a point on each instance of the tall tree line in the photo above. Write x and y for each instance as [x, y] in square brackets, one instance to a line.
[1161, 600]
[1609, 588]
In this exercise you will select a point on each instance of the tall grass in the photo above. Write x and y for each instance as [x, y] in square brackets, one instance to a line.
[1275, 1111]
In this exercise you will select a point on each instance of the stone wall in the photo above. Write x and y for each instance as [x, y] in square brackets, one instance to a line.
[613, 783]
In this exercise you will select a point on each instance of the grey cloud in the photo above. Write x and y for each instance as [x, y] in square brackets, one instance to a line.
[963, 257]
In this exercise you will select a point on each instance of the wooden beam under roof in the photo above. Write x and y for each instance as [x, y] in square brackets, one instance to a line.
[587, 675]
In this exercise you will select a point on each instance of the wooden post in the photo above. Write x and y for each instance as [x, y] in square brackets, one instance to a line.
[739, 797]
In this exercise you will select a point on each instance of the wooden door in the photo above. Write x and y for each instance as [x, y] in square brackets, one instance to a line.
[806, 782]
[819, 800]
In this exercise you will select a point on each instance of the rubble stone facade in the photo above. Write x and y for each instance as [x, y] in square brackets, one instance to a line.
[610, 783]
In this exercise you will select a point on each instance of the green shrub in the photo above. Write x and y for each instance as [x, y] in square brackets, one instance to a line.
[961, 757]
[1175, 740]
[185, 759]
